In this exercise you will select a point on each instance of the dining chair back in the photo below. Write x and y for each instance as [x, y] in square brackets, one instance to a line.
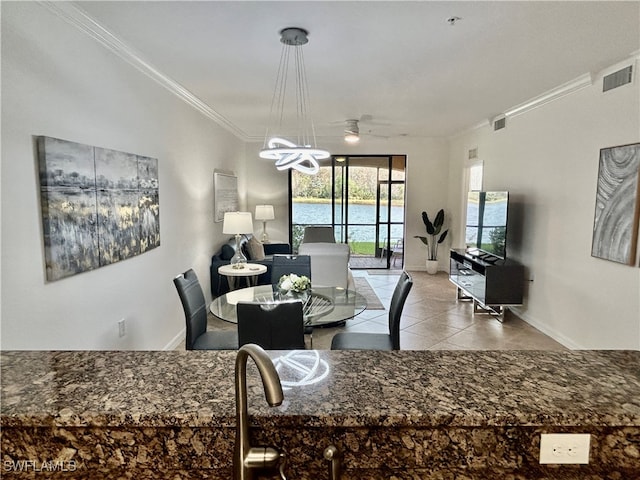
[286, 264]
[317, 233]
[379, 341]
[329, 264]
[398, 299]
[273, 326]
[195, 311]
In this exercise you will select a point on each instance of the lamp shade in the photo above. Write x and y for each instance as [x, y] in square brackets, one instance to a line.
[237, 222]
[264, 212]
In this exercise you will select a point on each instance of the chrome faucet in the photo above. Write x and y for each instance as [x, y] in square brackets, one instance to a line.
[246, 459]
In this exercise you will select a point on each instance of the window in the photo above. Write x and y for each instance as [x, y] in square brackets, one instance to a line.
[475, 178]
[361, 197]
[472, 181]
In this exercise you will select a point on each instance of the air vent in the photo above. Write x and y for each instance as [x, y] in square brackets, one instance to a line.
[499, 123]
[473, 153]
[617, 79]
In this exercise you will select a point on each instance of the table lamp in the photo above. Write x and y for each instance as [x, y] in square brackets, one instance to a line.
[264, 213]
[237, 223]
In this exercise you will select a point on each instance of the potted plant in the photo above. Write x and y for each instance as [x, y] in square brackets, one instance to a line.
[433, 239]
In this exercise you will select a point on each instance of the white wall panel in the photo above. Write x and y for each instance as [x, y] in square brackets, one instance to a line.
[548, 160]
[58, 82]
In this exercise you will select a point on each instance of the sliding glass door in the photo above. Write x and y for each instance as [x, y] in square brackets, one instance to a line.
[362, 198]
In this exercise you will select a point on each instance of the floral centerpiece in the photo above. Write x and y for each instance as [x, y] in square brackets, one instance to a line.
[292, 284]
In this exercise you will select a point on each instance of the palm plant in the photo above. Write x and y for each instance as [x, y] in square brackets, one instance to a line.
[434, 237]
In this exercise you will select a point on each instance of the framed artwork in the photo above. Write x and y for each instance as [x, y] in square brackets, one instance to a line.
[225, 194]
[99, 206]
[615, 225]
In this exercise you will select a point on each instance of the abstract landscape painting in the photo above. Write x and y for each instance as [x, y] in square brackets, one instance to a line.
[148, 203]
[99, 206]
[615, 226]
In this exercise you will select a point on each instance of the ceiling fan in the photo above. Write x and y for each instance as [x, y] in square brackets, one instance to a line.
[352, 131]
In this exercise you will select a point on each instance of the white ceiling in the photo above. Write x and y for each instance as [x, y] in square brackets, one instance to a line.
[399, 62]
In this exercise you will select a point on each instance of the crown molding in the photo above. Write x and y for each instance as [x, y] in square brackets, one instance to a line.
[77, 17]
[630, 60]
[568, 88]
[482, 124]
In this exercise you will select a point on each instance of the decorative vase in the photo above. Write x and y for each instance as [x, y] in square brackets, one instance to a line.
[432, 266]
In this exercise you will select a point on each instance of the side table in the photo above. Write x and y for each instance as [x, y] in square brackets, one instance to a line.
[251, 271]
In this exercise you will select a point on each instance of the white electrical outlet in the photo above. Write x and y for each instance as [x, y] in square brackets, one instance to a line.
[570, 448]
[121, 327]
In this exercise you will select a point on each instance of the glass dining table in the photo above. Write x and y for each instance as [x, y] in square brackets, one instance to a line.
[325, 306]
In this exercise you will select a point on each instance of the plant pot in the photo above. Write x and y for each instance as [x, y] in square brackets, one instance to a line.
[432, 266]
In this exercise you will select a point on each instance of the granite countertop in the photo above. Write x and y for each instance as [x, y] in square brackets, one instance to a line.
[394, 389]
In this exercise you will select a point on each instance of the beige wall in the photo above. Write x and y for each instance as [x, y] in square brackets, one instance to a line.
[266, 185]
[426, 184]
[58, 82]
[548, 160]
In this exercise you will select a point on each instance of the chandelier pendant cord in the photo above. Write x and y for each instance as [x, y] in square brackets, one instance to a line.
[277, 99]
[304, 154]
[306, 122]
[301, 99]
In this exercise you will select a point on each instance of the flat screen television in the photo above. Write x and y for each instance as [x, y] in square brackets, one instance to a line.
[486, 230]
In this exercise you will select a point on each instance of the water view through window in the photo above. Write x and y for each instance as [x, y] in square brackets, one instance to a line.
[362, 198]
[487, 221]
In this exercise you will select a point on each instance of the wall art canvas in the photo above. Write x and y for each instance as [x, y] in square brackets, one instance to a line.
[99, 206]
[615, 226]
[225, 194]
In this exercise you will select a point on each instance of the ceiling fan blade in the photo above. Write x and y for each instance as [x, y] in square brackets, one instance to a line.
[371, 120]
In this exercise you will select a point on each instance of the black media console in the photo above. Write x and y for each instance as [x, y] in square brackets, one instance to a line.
[492, 283]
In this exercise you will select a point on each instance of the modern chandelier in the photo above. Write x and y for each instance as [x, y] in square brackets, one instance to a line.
[301, 155]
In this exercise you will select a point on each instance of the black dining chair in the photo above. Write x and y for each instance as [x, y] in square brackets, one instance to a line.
[195, 312]
[286, 264]
[379, 341]
[273, 326]
[298, 264]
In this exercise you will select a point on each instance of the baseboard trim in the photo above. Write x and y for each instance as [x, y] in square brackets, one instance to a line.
[547, 330]
[177, 340]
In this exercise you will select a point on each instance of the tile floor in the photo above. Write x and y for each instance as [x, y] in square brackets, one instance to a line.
[433, 320]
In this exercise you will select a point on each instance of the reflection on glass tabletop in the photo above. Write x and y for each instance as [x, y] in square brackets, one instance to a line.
[325, 305]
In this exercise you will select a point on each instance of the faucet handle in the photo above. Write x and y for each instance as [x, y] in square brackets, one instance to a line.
[332, 455]
[262, 457]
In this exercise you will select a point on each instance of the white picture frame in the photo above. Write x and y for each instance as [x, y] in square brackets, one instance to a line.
[225, 194]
